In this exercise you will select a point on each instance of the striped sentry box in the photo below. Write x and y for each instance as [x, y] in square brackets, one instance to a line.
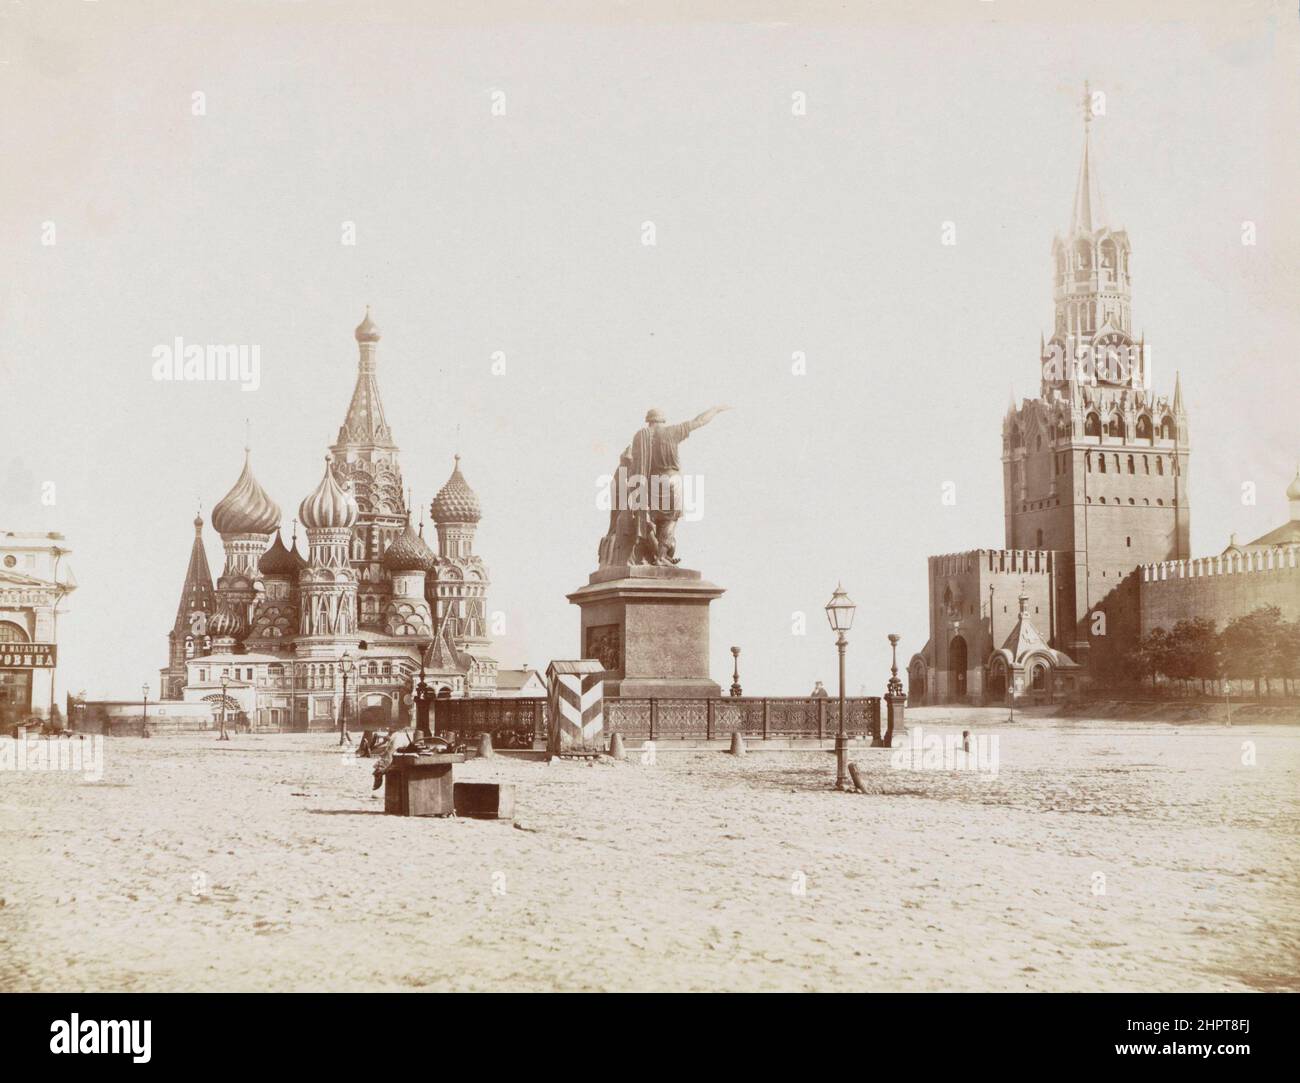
[577, 692]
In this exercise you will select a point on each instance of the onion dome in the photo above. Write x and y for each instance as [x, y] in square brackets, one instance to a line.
[367, 330]
[246, 509]
[329, 505]
[281, 560]
[456, 502]
[224, 623]
[1293, 490]
[409, 553]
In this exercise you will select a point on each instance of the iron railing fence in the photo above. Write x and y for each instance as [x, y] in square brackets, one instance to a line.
[518, 723]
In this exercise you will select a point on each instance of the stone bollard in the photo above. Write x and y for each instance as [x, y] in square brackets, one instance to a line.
[737, 743]
[485, 746]
[857, 778]
[616, 751]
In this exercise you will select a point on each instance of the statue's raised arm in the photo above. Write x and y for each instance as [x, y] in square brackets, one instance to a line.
[706, 417]
[647, 496]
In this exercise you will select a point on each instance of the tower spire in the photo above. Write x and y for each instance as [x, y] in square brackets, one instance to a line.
[365, 424]
[1088, 212]
[186, 639]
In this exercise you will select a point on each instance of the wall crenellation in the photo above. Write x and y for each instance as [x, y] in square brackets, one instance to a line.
[1018, 561]
[1224, 564]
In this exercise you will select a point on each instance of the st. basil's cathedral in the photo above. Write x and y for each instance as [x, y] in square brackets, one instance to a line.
[371, 598]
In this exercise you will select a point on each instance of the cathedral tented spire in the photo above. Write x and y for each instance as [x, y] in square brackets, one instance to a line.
[365, 424]
[196, 594]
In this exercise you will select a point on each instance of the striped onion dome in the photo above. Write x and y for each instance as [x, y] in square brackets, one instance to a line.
[225, 622]
[246, 509]
[456, 502]
[1293, 490]
[409, 553]
[329, 505]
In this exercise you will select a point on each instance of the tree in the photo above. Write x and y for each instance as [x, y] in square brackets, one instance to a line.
[1288, 654]
[1251, 644]
[1193, 650]
[1151, 655]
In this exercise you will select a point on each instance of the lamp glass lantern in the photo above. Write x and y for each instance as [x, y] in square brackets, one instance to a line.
[840, 610]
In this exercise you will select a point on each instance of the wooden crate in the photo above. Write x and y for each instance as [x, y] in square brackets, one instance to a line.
[485, 800]
[421, 785]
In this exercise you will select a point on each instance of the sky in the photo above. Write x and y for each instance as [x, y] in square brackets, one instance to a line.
[499, 170]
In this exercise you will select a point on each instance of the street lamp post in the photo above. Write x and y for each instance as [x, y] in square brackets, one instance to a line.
[224, 683]
[735, 672]
[144, 713]
[423, 699]
[839, 611]
[346, 666]
[894, 696]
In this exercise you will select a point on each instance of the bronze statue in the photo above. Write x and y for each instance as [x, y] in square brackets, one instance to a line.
[646, 494]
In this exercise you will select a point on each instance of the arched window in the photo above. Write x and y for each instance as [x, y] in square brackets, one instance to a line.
[11, 633]
[1092, 425]
[1040, 678]
[1131, 466]
[1101, 463]
[1040, 538]
[1168, 430]
[1160, 465]
[1144, 428]
[1115, 427]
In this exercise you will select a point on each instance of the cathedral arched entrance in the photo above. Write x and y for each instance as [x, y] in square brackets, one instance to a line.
[916, 684]
[376, 710]
[957, 662]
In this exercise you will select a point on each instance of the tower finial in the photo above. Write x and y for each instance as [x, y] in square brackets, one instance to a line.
[1087, 105]
[248, 437]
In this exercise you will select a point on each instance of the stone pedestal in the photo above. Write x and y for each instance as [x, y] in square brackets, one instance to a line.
[894, 703]
[649, 626]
